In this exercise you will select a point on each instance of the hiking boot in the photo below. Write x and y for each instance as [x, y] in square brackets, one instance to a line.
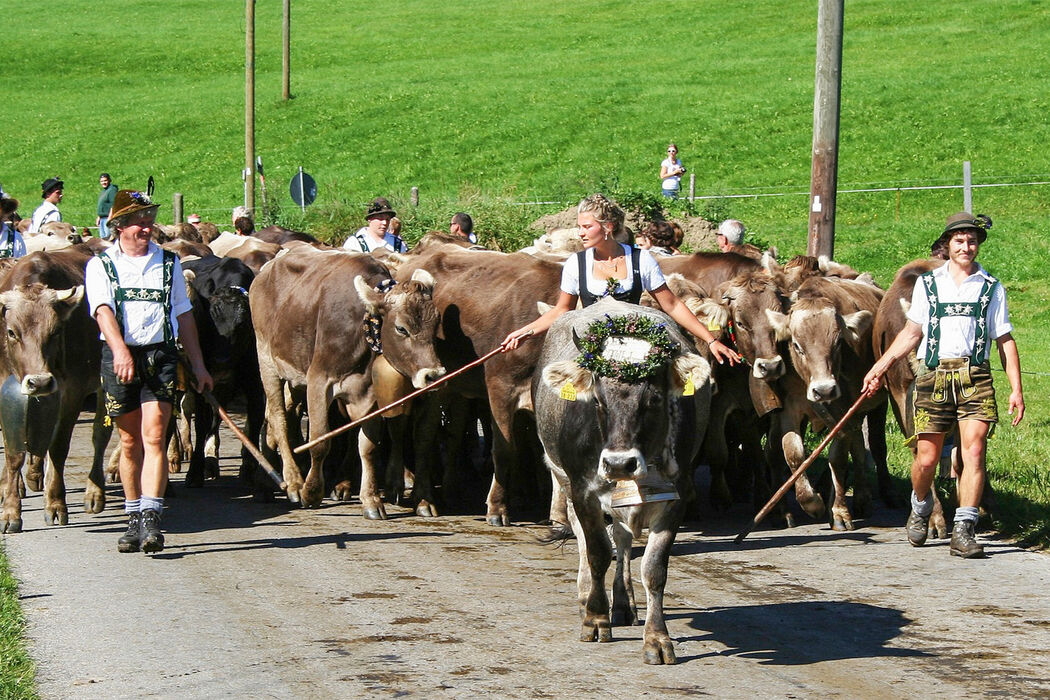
[130, 540]
[963, 543]
[917, 527]
[152, 537]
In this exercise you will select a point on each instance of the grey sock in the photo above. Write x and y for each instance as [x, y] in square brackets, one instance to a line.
[131, 506]
[964, 514]
[923, 507]
[150, 503]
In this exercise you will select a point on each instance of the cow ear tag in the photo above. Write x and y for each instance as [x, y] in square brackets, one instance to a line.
[713, 326]
[568, 391]
[690, 388]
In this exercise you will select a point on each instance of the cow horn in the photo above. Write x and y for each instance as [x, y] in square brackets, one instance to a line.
[576, 340]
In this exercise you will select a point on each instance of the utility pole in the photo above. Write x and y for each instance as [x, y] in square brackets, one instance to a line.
[826, 93]
[249, 106]
[286, 60]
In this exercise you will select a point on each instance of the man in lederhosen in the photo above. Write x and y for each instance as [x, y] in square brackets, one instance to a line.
[137, 294]
[956, 312]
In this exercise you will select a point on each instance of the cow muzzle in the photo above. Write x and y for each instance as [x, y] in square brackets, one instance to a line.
[823, 391]
[614, 465]
[39, 384]
[427, 376]
[769, 369]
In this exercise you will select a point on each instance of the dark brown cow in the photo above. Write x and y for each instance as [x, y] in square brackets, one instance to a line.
[308, 307]
[280, 236]
[482, 296]
[829, 324]
[254, 253]
[51, 346]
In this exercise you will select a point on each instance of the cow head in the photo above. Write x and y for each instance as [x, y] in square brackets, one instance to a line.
[33, 317]
[818, 331]
[634, 418]
[230, 311]
[409, 325]
[752, 301]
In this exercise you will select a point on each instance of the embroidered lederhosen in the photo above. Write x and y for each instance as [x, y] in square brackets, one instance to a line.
[633, 296]
[159, 296]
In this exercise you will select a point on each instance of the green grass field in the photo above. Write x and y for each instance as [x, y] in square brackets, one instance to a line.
[16, 668]
[484, 105]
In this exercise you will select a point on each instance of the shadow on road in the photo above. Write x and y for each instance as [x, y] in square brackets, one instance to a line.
[791, 634]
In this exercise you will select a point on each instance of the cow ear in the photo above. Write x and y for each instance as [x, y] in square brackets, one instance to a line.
[855, 326]
[556, 375]
[426, 279]
[8, 299]
[779, 321]
[689, 367]
[543, 307]
[394, 261]
[67, 299]
[369, 297]
[769, 262]
[905, 305]
[712, 313]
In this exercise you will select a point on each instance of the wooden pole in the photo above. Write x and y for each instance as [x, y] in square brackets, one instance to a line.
[176, 207]
[414, 196]
[692, 186]
[249, 106]
[286, 53]
[826, 93]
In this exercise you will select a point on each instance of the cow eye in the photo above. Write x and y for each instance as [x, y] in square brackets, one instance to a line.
[11, 334]
[797, 348]
[401, 330]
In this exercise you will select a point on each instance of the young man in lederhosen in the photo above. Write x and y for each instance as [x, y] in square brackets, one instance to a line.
[956, 312]
[137, 294]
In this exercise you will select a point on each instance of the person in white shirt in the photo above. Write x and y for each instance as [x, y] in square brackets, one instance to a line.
[51, 191]
[671, 171]
[374, 236]
[956, 311]
[463, 225]
[136, 293]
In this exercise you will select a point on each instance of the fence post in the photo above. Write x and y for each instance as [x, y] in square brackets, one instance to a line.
[692, 186]
[414, 197]
[898, 216]
[176, 207]
[967, 188]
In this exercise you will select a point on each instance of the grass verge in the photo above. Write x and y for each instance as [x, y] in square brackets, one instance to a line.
[16, 668]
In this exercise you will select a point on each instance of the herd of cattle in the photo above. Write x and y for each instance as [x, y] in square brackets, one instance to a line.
[298, 330]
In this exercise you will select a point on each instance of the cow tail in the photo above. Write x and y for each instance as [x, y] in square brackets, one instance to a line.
[557, 534]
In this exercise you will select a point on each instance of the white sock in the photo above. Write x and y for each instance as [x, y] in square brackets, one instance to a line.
[923, 507]
[131, 506]
[966, 514]
[150, 503]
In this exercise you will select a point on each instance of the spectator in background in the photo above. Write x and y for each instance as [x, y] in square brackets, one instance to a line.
[105, 204]
[238, 212]
[194, 220]
[209, 231]
[658, 238]
[51, 192]
[394, 227]
[244, 226]
[730, 236]
[463, 225]
[671, 171]
[12, 245]
[374, 236]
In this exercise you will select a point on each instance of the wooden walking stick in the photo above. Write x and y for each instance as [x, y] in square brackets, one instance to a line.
[802, 467]
[342, 429]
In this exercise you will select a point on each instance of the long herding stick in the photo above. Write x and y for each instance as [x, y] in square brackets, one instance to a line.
[342, 429]
[798, 472]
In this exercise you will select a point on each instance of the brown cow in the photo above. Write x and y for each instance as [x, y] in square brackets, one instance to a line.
[308, 307]
[52, 346]
[707, 269]
[280, 236]
[829, 324]
[482, 296]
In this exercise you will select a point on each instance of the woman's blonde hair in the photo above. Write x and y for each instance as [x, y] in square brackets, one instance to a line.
[605, 211]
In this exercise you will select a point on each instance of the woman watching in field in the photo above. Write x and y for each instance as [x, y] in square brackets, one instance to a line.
[608, 268]
[671, 171]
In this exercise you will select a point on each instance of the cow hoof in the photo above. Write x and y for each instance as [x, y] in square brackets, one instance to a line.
[293, 495]
[624, 617]
[34, 482]
[94, 502]
[174, 466]
[597, 631]
[374, 513]
[426, 510]
[11, 525]
[211, 468]
[56, 516]
[659, 651]
[343, 491]
[938, 527]
[499, 520]
[789, 519]
[814, 507]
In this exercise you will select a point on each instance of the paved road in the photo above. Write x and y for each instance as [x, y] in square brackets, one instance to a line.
[262, 601]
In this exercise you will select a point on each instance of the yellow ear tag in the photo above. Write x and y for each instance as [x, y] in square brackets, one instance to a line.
[568, 392]
[689, 389]
[713, 326]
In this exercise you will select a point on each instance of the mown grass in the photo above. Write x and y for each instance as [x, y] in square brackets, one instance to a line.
[484, 105]
[16, 668]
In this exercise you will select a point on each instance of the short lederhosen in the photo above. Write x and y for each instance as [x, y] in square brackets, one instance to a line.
[156, 369]
[955, 390]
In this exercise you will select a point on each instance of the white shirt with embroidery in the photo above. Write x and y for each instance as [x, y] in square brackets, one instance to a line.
[143, 320]
[648, 269]
[959, 332]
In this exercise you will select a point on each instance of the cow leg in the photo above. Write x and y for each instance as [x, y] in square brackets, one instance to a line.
[595, 556]
[277, 424]
[875, 424]
[394, 474]
[423, 491]
[211, 448]
[838, 458]
[255, 402]
[11, 511]
[372, 506]
[657, 647]
[201, 425]
[559, 515]
[34, 473]
[794, 453]
[56, 512]
[862, 501]
[624, 610]
[95, 488]
[716, 451]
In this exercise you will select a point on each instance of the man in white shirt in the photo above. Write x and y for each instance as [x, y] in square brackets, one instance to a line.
[956, 311]
[51, 191]
[136, 293]
[374, 236]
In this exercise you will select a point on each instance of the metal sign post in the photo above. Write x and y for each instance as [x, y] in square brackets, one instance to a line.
[303, 189]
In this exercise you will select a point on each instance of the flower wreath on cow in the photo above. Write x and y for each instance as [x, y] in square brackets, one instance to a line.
[611, 346]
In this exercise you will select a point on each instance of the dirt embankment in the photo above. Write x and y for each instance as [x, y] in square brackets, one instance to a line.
[699, 232]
